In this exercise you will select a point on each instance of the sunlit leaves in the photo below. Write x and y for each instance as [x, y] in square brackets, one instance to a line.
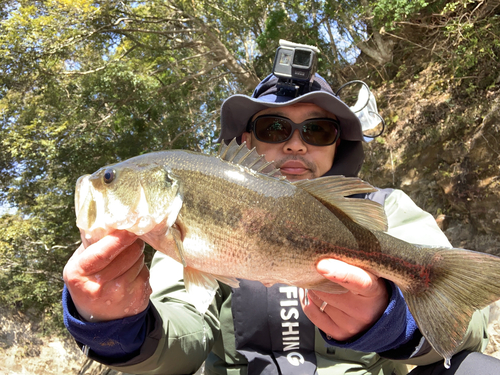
[29, 267]
[86, 83]
[388, 12]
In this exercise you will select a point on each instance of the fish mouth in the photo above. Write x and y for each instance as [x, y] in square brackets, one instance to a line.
[95, 222]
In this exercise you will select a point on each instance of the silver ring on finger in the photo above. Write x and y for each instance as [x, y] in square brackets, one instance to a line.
[323, 306]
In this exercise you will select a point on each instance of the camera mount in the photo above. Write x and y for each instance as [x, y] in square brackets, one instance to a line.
[295, 65]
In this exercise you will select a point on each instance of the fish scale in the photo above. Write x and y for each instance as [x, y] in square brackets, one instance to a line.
[234, 216]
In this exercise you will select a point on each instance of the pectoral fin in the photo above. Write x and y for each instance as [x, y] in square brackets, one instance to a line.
[176, 234]
[231, 281]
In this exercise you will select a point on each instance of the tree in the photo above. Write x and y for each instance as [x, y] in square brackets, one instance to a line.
[87, 83]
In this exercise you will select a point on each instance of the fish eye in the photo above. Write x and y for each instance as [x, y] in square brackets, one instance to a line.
[109, 175]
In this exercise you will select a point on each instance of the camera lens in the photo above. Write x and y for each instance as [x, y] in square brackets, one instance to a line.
[285, 58]
[302, 58]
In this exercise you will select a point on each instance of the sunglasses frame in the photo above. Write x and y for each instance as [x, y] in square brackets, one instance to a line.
[295, 126]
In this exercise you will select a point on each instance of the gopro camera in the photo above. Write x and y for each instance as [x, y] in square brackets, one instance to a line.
[294, 65]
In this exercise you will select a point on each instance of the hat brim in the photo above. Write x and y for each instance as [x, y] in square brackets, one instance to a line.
[237, 110]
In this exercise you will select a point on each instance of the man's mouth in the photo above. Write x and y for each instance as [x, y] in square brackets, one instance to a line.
[294, 167]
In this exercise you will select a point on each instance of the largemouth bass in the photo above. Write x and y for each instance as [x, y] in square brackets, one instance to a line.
[234, 217]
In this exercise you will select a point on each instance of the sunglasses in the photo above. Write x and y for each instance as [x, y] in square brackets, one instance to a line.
[277, 129]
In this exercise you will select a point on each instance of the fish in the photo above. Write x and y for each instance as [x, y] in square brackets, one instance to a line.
[234, 216]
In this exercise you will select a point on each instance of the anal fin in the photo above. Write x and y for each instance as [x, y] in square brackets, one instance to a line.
[328, 286]
[231, 281]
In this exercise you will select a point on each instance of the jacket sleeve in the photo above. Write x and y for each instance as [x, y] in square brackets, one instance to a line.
[186, 336]
[111, 341]
[169, 337]
[410, 223]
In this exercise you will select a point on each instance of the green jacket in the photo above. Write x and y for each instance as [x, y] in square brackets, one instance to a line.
[187, 339]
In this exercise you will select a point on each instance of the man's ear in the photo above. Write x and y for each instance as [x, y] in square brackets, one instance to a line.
[247, 137]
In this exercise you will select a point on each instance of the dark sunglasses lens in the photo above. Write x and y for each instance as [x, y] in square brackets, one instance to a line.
[272, 129]
[320, 132]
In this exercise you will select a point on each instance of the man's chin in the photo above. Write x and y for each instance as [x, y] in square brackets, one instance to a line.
[296, 177]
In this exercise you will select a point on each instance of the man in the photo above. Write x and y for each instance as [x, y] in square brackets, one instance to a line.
[121, 321]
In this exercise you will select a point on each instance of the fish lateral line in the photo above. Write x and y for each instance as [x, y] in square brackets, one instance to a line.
[442, 287]
[350, 254]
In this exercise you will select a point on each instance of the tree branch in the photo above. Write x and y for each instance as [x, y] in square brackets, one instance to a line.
[145, 31]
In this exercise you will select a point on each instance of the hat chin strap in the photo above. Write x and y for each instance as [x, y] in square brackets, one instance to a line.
[348, 161]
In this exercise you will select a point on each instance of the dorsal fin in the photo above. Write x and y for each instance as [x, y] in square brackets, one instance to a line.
[332, 192]
[241, 155]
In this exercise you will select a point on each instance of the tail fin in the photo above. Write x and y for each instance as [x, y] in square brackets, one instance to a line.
[462, 281]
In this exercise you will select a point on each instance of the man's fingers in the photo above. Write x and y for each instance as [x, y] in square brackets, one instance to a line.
[128, 283]
[353, 278]
[133, 273]
[122, 263]
[342, 316]
[100, 254]
[136, 289]
[331, 320]
[109, 279]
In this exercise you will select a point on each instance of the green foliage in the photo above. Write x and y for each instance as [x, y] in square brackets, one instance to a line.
[308, 22]
[86, 83]
[30, 276]
[293, 24]
[70, 103]
[274, 28]
[474, 41]
[388, 12]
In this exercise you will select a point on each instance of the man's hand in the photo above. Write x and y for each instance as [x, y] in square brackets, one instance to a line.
[349, 314]
[108, 280]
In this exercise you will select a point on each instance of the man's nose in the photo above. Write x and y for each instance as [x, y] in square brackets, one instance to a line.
[295, 144]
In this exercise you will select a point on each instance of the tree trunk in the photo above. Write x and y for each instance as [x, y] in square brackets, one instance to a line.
[376, 47]
[245, 77]
[381, 52]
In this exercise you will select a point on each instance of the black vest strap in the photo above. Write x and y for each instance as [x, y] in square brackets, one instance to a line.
[272, 331]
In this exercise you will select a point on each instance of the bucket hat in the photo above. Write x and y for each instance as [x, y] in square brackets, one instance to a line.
[238, 109]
